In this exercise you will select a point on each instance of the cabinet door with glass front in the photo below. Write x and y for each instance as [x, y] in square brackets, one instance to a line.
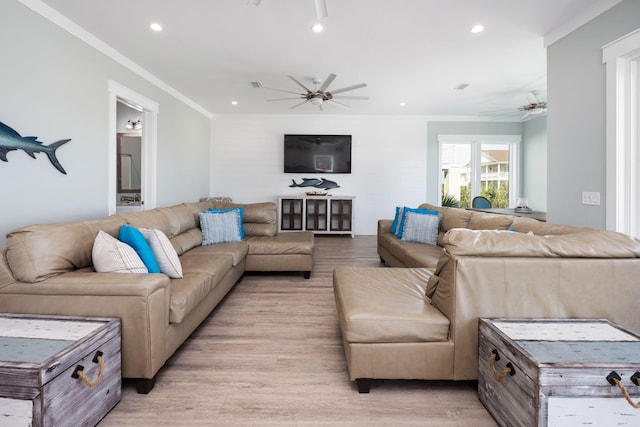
[316, 215]
[341, 214]
[291, 214]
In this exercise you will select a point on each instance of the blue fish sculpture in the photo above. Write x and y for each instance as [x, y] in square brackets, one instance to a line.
[327, 184]
[306, 182]
[11, 140]
[315, 183]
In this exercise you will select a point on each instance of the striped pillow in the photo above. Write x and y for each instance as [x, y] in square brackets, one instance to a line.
[221, 226]
[420, 227]
[164, 252]
[110, 255]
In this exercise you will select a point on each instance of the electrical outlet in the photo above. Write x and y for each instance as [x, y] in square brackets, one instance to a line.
[591, 198]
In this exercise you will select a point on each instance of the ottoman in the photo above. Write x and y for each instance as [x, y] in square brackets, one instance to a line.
[389, 329]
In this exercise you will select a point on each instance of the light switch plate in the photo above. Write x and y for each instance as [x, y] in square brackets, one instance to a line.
[591, 198]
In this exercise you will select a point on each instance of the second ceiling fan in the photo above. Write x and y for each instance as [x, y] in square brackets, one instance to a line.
[320, 94]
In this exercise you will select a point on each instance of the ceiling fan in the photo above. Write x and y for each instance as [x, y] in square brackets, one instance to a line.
[321, 7]
[535, 107]
[319, 95]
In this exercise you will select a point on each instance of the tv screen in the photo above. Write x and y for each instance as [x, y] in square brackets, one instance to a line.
[317, 153]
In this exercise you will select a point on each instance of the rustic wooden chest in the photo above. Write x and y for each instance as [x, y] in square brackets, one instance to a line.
[568, 372]
[58, 370]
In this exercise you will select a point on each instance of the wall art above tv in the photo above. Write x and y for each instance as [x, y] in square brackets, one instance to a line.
[317, 153]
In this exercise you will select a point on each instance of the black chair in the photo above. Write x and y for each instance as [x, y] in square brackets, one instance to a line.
[480, 202]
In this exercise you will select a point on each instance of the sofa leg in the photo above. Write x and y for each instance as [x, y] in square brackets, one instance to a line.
[364, 385]
[307, 274]
[145, 385]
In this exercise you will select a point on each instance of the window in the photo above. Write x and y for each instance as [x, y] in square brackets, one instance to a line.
[622, 59]
[479, 165]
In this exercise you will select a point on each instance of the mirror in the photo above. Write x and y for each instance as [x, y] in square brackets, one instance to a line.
[129, 156]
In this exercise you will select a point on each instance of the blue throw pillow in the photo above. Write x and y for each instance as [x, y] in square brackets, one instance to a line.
[240, 214]
[421, 228]
[134, 238]
[396, 219]
[219, 226]
[406, 210]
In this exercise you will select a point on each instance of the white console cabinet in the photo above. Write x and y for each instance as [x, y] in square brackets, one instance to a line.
[320, 214]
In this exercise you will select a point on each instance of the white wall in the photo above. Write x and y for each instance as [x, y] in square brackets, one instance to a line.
[55, 86]
[388, 160]
[576, 121]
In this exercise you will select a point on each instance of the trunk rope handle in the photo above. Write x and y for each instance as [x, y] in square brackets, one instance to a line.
[509, 369]
[614, 379]
[79, 371]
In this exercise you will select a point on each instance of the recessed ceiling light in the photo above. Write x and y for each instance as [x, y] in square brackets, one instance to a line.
[234, 102]
[155, 26]
[477, 29]
[402, 104]
[317, 28]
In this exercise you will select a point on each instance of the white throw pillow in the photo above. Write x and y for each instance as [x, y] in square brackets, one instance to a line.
[110, 255]
[164, 252]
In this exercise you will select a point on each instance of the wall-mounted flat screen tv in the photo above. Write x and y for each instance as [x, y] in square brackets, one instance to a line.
[317, 153]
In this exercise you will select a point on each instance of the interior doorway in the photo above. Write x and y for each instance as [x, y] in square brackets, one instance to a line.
[132, 173]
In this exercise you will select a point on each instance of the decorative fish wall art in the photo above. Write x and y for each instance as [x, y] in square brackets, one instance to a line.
[316, 183]
[11, 140]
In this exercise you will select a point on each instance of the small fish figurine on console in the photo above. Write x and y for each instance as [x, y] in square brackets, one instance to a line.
[11, 140]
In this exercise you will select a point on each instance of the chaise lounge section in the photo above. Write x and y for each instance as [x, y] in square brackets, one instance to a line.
[48, 269]
[420, 321]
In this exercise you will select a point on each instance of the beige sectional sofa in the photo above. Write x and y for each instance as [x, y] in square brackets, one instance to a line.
[420, 321]
[47, 269]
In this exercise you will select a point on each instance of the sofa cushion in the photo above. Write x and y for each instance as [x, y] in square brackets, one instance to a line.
[220, 226]
[39, 251]
[134, 238]
[113, 256]
[237, 250]
[455, 218]
[411, 254]
[487, 221]
[165, 254]
[387, 305]
[187, 240]
[258, 219]
[282, 244]
[202, 272]
[421, 228]
[498, 243]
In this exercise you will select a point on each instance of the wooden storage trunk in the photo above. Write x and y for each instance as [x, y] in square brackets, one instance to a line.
[558, 372]
[58, 370]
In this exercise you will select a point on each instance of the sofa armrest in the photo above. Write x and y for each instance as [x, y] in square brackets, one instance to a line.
[384, 225]
[141, 301]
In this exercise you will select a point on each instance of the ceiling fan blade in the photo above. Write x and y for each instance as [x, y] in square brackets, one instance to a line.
[297, 105]
[344, 89]
[321, 9]
[351, 97]
[285, 99]
[327, 82]
[300, 84]
[340, 104]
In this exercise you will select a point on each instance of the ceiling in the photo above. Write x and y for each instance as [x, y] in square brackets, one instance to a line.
[407, 51]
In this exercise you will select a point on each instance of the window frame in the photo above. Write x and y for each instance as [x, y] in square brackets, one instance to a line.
[476, 142]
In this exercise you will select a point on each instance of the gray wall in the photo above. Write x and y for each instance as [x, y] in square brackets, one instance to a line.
[534, 163]
[55, 86]
[576, 120]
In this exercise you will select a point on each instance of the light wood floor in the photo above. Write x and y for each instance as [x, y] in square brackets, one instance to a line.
[271, 354]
